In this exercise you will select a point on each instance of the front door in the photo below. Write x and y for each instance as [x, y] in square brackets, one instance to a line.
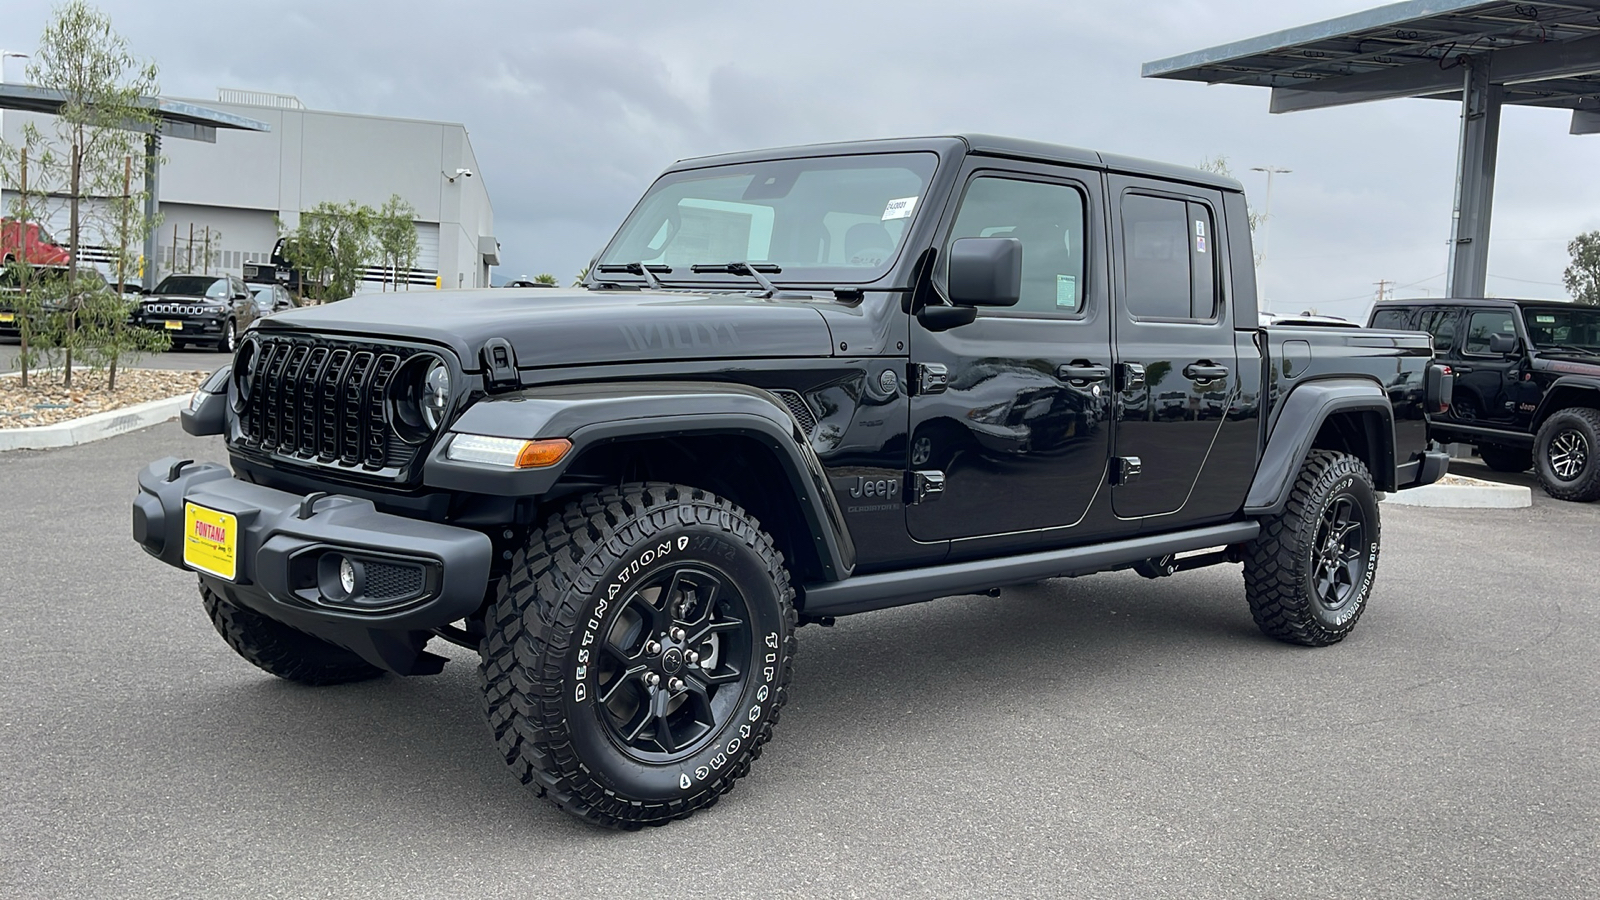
[1013, 407]
[1488, 384]
[1177, 371]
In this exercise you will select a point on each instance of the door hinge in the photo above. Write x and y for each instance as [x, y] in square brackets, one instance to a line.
[928, 378]
[1126, 469]
[1130, 377]
[924, 487]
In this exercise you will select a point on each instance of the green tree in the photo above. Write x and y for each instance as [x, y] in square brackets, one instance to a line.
[26, 206]
[332, 248]
[582, 274]
[545, 278]
[394, 232]
[104, 90]
[1582, 277]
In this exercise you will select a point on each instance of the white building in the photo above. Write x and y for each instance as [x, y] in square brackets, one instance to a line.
[241, 186]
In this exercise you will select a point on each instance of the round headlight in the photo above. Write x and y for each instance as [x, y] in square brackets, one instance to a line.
[244, 370]
[435, 395]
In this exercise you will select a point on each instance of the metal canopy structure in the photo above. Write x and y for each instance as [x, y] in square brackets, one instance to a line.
[1482, 55]
[174, 118]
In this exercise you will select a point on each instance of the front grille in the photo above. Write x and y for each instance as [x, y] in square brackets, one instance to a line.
[325, 402]
[173, 309]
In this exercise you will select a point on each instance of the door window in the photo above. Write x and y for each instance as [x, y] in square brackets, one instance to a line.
[1482, 324]
[1049, 221]
[1169, 258]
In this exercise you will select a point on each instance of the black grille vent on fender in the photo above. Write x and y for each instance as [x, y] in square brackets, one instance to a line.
[800, 409]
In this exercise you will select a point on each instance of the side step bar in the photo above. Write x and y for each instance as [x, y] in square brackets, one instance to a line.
[864, 593]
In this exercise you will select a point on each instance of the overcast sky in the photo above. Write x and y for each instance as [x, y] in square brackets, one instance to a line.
[573, 108]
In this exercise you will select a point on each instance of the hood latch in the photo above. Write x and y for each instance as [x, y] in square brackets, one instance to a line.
[500, 365]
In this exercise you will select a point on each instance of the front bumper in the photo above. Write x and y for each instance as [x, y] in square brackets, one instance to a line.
[192, 327]
[411, 576]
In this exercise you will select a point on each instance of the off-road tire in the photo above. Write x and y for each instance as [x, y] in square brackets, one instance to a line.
[277, 649]
[1281, 565]
[553, 622]
[1582, 424]
[1506, 459]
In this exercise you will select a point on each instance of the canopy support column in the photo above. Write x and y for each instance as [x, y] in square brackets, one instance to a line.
[1475, 165]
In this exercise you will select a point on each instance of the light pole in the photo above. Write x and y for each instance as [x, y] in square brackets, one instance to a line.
[1266, 220]
[5, 55]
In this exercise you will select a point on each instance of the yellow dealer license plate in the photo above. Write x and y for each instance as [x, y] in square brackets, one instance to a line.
[174, 325]
[8, 317]
[210, 541]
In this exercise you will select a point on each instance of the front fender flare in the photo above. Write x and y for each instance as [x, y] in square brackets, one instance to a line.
[1555, 394]
[595, 414]
[1299, 420]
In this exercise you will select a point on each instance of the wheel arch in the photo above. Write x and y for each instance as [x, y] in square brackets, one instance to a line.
[734, 440]
[1565, 393]
[1350, 415]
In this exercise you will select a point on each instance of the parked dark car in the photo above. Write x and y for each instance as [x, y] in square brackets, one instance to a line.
[89, 281]
[209, 310]
[626, 497]
[1527, 389]
[272, 299]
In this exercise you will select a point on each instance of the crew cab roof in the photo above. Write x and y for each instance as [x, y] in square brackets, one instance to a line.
[981, 145]
[1473, 301]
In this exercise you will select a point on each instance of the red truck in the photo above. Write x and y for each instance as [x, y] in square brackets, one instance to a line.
[30, 243]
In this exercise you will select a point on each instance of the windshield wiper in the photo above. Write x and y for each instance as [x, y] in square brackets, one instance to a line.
[640, 269]
[744, 268]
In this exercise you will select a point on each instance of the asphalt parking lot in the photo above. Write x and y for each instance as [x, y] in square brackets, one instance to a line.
[183, 359]
[1098, 737]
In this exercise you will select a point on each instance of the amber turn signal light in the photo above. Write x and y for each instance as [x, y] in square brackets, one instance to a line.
[538, 454]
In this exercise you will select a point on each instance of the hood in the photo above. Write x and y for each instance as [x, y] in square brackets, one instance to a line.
[179, 298]
[576, 327]
[1570, 362]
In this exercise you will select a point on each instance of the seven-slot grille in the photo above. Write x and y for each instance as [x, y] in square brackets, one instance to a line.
[174, 309]
[323, 401]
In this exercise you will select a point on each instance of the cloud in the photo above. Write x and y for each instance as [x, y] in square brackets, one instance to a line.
[573, 108]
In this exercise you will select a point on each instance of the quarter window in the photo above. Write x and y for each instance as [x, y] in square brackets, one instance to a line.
[1393, 319]
[1441, 323]
[1048, 219]
[1169, 258]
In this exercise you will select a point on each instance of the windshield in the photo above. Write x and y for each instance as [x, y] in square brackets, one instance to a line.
[43, 236]
[826, 219]
[1557, 328]
[194, 286]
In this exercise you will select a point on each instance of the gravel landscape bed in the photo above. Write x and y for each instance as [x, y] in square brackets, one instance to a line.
[46, 402]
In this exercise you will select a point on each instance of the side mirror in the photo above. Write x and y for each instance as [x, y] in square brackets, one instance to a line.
[985, 271]
[1502, 343]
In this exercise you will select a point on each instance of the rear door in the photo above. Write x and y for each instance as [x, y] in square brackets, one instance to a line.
[1177, 371]
[1012, 409]
[1487, 383]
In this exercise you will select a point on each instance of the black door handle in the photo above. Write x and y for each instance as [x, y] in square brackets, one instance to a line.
[1076, 372]
[1203, 371]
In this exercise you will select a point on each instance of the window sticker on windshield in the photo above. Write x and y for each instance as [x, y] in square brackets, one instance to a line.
[899, 209]
[1067, 291]
[1545, 320]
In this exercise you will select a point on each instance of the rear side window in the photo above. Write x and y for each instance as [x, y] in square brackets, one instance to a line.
[1393, 319]
[1441, 323]
[1169, 258]
[1483, 324]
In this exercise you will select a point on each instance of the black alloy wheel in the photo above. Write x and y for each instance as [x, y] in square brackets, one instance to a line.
[1340, 548]
[1567, 454]
[668, 677]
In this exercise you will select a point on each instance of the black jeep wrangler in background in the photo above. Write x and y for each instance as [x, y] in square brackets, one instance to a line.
[1527, 388]
[797, 384]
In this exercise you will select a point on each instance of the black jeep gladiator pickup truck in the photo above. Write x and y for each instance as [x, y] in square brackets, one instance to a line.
[1527, 391]
[797, 384]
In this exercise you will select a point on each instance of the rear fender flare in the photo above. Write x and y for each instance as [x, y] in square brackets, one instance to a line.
[1295, 429]
[593, 415]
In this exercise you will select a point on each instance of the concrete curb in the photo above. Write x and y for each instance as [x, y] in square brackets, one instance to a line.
[1478, 494]
[93, 428]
